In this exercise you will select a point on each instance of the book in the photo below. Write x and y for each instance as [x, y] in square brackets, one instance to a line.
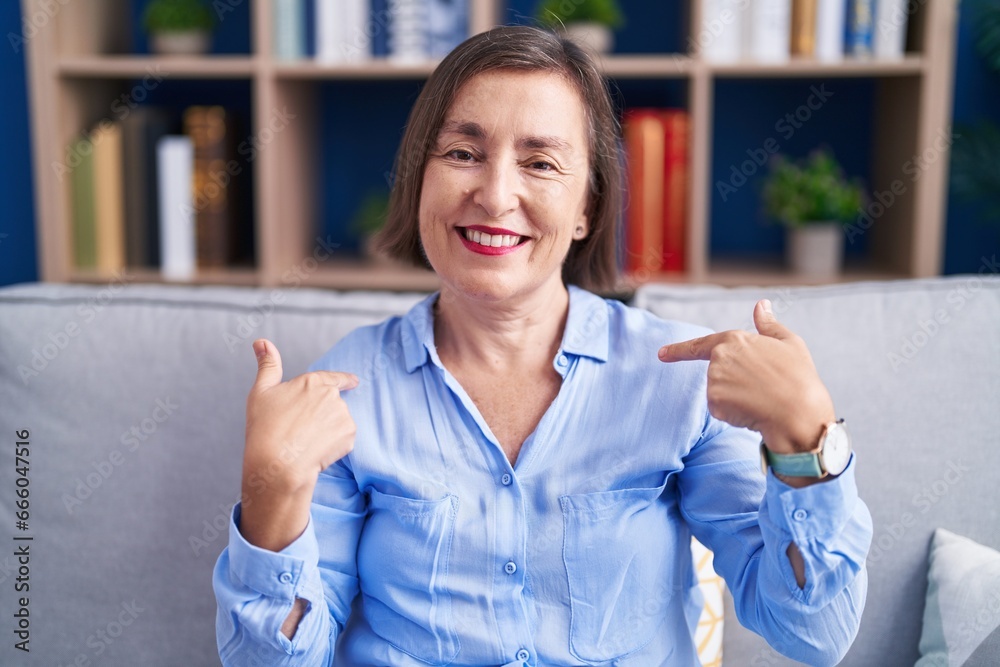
[381, 23]
[675, 189]
[860, 22]
[214, 185]
[141, 129]
[889, 29]
[109, 201]
[289, 17]
[343, 33]
[767, 30]
[721, 31]
[803, 29]
[81, 185]
[408, 31]
[447, 25]
[645, 146]
[175, 167]
[830, 15]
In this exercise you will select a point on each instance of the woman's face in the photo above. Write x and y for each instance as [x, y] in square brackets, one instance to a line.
[506, 183]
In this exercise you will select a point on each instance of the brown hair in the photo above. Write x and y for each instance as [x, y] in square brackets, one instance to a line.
[592, 261]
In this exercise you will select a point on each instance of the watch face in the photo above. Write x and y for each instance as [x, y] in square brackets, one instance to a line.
[836, 449]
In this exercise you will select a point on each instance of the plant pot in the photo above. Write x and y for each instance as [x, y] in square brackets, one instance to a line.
[816, 249]
[594, 36]
[185, 43]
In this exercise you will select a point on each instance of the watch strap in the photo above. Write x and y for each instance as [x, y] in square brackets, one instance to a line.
[806, 464]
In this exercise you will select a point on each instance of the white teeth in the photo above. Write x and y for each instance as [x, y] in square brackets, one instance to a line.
[492, 240]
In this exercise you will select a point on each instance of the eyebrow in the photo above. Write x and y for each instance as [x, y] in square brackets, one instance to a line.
[476, 131]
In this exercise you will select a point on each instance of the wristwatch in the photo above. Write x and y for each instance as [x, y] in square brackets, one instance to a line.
[830, 458]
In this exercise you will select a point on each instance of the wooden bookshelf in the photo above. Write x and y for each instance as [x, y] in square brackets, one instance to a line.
[78, 64]
[214, 67]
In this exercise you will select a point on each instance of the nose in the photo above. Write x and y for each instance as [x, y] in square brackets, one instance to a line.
[498, 191]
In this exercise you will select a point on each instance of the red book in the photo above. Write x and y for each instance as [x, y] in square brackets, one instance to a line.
[675, 190]
[645, 146]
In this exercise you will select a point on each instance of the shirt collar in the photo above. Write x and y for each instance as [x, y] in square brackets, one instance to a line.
[586, 332]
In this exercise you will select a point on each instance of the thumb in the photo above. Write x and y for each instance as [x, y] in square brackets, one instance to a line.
[766, 323]
[268, 364]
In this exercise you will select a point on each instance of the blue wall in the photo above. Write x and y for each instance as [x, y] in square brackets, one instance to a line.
[356, 161]
[17, 227]
[977, 97]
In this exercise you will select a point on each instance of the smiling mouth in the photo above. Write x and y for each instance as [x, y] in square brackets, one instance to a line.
[491, 240]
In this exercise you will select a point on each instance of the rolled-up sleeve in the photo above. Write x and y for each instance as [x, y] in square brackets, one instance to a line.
[256, 589]
[752, 524]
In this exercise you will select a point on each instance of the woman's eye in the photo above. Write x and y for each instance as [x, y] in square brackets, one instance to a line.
[542, 165]
[461, 155]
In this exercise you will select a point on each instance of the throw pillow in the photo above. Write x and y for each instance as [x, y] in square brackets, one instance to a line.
[962, 612]
[708, 636]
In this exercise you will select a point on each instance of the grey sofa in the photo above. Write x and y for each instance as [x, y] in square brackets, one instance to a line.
[133, 399]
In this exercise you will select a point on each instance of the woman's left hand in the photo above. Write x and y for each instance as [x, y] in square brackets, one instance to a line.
[766, 382]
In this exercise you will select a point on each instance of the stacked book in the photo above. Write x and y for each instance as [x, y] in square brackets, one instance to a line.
[347, 31]
[656, 146]
[145, 196]
[776, 30]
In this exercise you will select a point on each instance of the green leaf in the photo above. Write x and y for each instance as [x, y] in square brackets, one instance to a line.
[177, 16]
[811, 190]
[556, 13]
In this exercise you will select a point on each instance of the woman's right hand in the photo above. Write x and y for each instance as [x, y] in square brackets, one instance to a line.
[294, 431]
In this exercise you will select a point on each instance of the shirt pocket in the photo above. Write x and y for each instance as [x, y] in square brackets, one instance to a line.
[619, 589]
[403, 561]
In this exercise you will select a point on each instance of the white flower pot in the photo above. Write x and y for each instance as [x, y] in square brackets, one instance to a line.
[816, 250]
[187, 43]
[594, 36]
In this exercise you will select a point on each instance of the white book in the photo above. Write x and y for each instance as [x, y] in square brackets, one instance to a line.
[343, 33]
[830, 15]
[175, 173]
[720, 38]
[890, 29]
[408, 31]
[767, 30]
[289, 29]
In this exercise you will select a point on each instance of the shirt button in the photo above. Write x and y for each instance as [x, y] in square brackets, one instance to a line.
[522, 655]
[506, 479]
[800, 515]
[562, 361]
[510, 568]
[285, 577]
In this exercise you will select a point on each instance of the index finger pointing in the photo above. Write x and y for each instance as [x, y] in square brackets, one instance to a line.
[342, 381]
[690, 350]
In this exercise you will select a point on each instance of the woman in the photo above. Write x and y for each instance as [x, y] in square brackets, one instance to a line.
[525, 475]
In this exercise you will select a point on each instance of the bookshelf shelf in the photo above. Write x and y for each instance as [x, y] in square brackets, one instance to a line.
[771, 272]
[231, 276]
[355, 275]
[652, 66]
[910, 65]
[374, 70]
[77, 70]
[206, 67]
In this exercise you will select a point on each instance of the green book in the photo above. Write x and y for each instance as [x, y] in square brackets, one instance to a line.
[82, 186]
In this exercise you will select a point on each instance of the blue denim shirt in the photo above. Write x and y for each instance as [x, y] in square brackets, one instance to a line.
[578, 554]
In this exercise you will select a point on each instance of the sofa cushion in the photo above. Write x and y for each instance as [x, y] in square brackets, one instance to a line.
[962, 614]
[914, 367]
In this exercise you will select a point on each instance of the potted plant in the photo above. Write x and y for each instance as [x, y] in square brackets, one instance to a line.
[178, 27]
[587, 22]
[813, 199]
[368, 218]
